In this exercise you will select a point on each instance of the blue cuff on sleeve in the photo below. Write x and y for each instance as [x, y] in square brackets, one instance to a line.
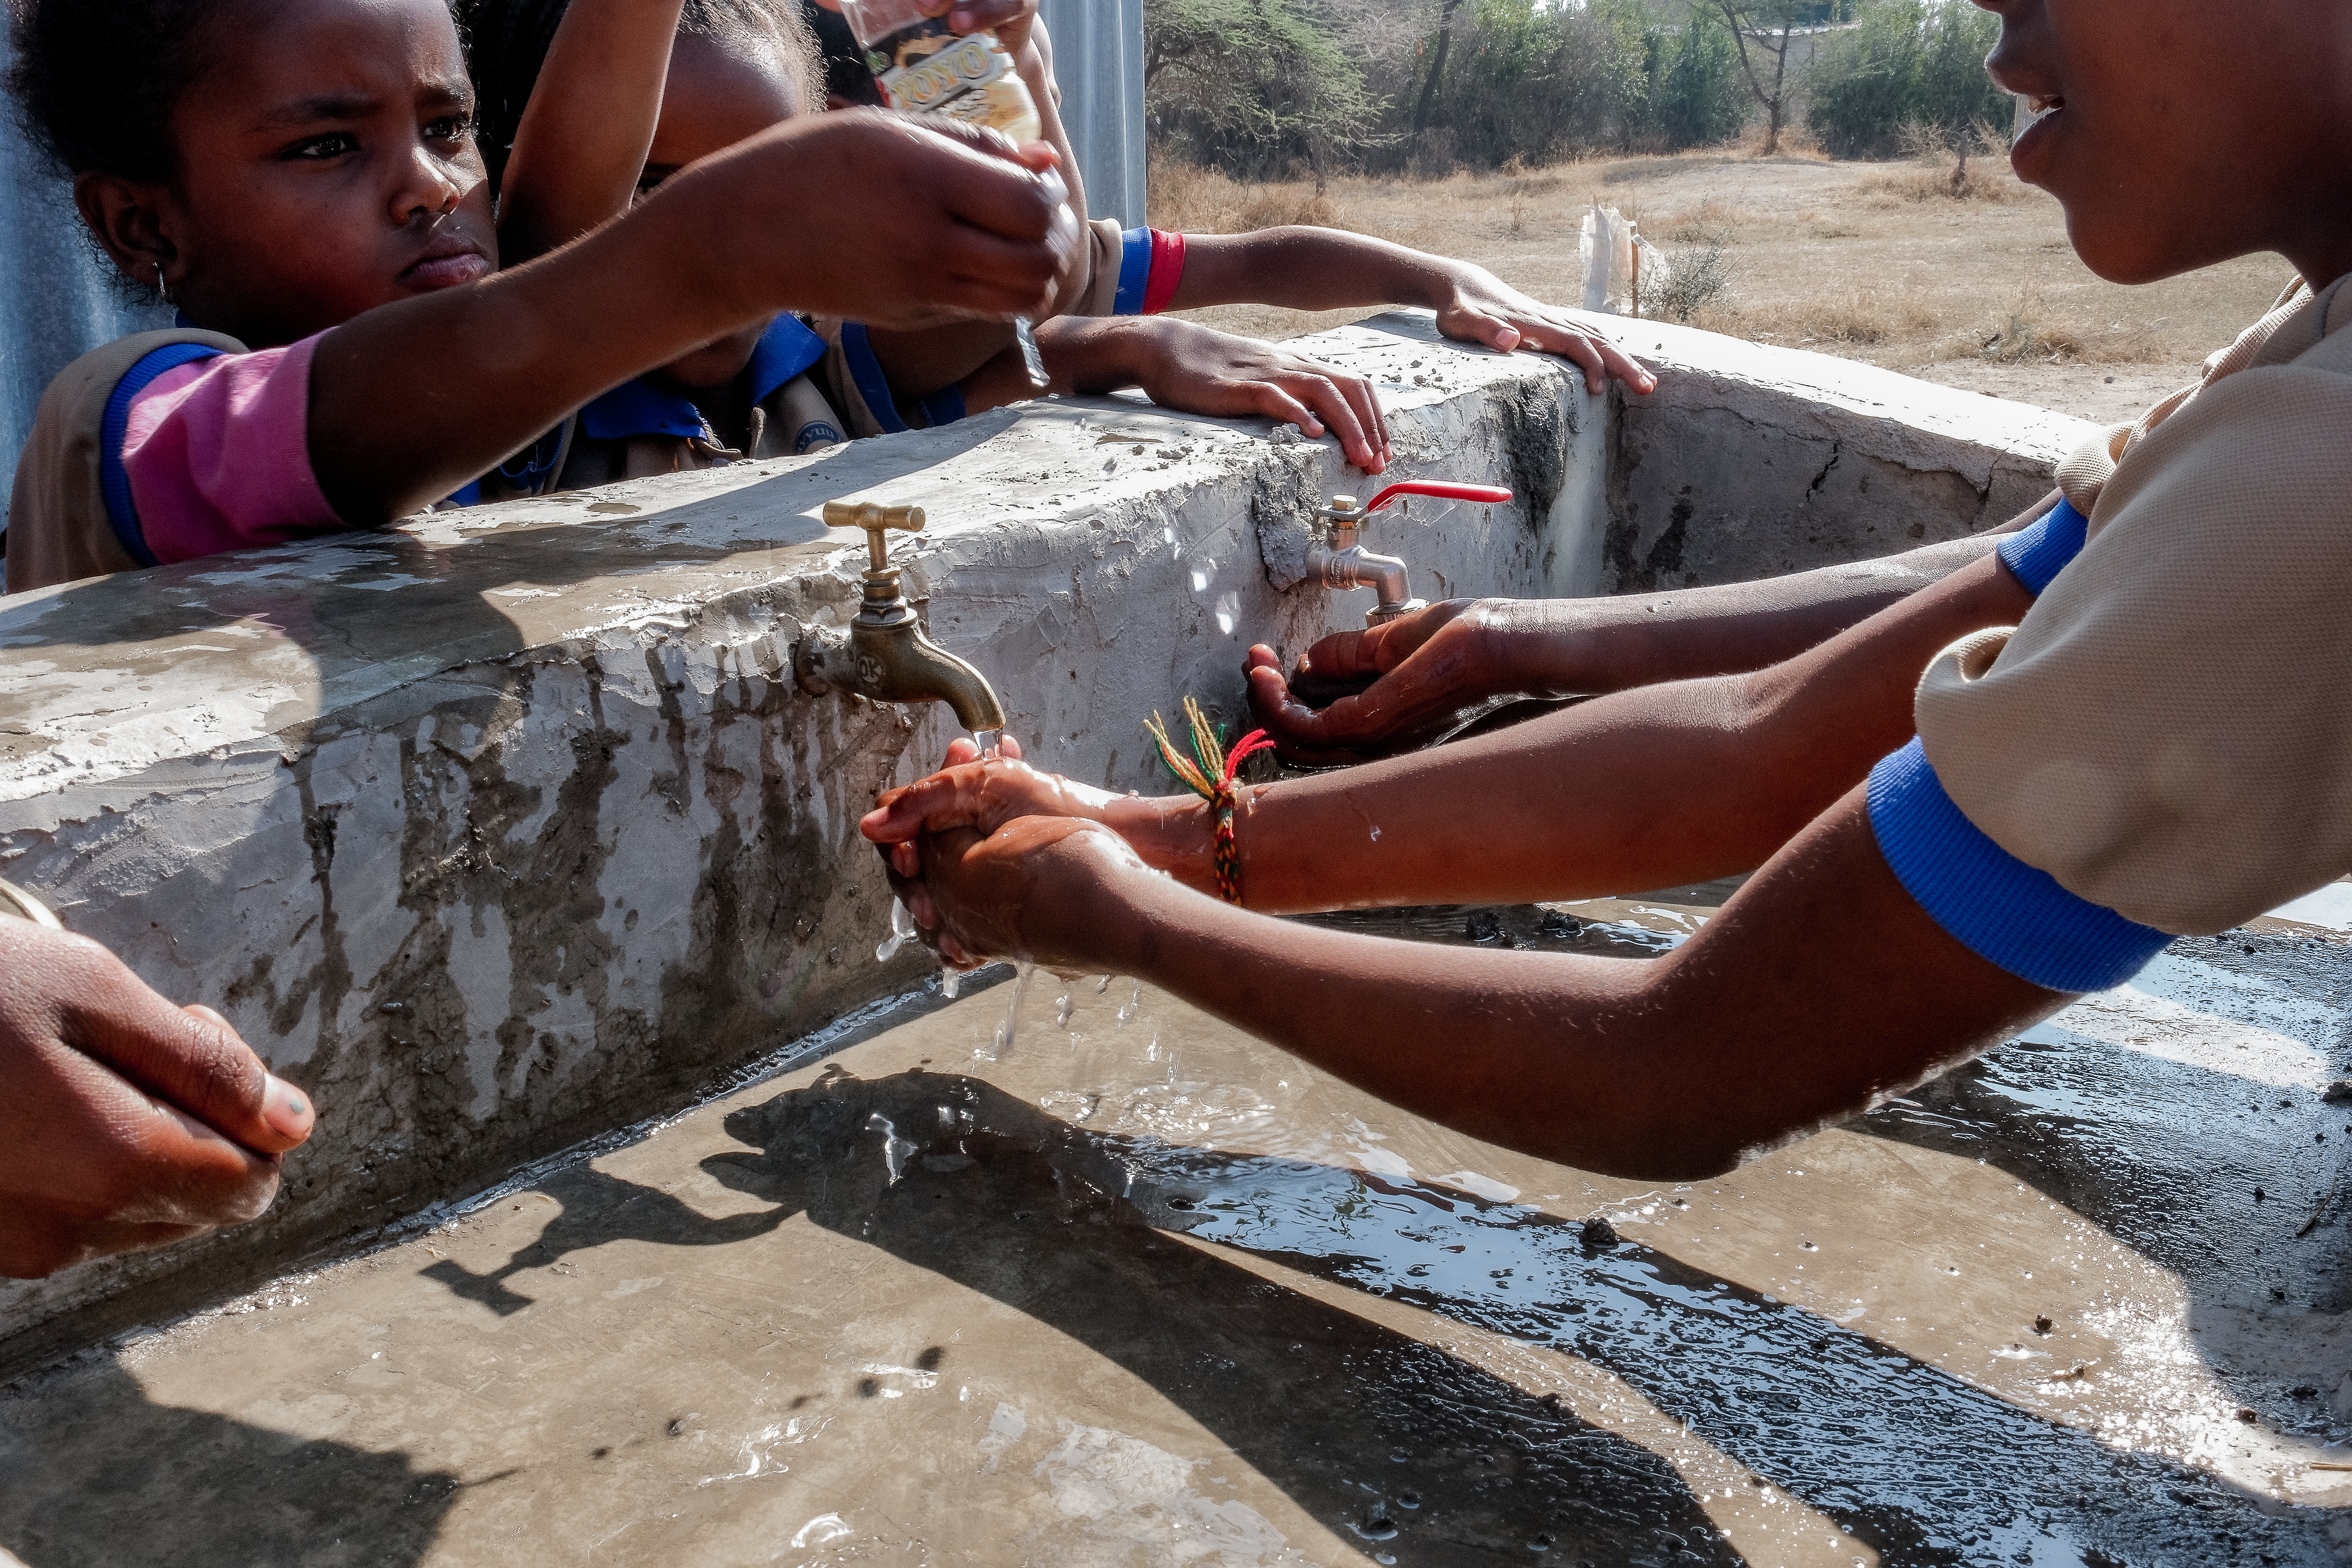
[113, 479]
[867, 371]
[1134, 272]
[1994, 904]
[2041, 550]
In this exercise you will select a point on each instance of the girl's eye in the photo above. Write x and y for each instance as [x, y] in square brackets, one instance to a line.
[333, 144]
[451, 128]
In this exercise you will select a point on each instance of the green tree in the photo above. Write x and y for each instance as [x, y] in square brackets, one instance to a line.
[1252, 83]
[1911, 69]
[1761, 31]
[1542, 81]
[1695, 96]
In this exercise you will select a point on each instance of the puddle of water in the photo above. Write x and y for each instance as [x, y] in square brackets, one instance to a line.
[1314, 1348]
[2328, 908]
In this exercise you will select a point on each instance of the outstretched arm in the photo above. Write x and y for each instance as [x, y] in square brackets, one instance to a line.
[1821, 988]
[582, 140]
[1647, 788]
[1359, 694]
[1328, 269]
[412, 400]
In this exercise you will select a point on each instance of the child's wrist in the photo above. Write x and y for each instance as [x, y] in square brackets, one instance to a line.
[1171, 833]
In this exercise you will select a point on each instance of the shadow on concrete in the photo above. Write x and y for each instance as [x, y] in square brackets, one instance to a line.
[193, 1488]
[598, 1208]
[1068, 1225]
[1365, 1426]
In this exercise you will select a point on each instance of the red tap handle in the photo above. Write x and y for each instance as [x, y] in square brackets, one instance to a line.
[1441, 490]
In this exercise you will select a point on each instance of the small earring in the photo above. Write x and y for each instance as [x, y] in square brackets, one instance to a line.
[162, 287]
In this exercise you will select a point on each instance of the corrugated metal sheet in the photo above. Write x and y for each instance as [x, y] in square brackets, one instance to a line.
[1098, 60]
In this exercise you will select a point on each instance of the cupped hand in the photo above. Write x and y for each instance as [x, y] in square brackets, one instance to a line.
[1202, 371]
[129, 1124]
[1384, 689]
[968, 792]
[1480, 308]
[1010, 893]
[975, 226]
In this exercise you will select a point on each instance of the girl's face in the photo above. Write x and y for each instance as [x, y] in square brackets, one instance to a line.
[715, 96]
[2180, 132]
[325, 166]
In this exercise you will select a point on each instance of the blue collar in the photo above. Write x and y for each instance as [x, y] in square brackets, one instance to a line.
[644, 407]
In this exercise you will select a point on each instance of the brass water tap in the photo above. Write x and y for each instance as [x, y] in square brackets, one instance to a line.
[883, 655]
[1338, 561]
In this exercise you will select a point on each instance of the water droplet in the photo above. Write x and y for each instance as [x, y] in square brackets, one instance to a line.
[894, 1149]
[950, 981]
[1229, 607]
[1376, 836]
[1062, 1007]
[1201, 575]
[902, 932]
[1006, 1031]
[989, 741]
[1102, 985]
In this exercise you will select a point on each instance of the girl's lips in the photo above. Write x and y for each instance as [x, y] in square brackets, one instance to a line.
[446, 271]
[2031, 153]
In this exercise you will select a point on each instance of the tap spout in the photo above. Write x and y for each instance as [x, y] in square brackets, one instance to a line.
[1357, 567]
[883, 655]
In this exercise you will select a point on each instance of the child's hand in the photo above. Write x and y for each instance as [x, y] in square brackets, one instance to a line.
[1184, 365]
[973, 897]
[1010, 20]
[983, 796]
[1360, 694]
[1476, 307]
[129, 1124]
[883, 218]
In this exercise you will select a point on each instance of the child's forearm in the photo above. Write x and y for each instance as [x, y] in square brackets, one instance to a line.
[1304, 268]
[1820, 988]
[1082, 354]
[583, 142]
[1652, 787]
[1582, 646]
[411, 400]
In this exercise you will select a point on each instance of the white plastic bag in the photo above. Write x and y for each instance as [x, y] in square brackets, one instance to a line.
[1609, 245]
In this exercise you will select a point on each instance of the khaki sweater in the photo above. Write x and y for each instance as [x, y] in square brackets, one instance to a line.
[2168, 732]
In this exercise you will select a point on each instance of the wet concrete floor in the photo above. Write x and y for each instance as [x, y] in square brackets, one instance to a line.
[1140, 1290]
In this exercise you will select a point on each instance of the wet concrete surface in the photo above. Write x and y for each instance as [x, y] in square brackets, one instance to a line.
[1138, 1289]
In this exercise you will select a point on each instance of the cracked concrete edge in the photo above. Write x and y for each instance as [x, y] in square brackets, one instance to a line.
[500, 830]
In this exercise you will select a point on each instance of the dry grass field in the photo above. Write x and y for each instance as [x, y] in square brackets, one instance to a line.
[1879, 262]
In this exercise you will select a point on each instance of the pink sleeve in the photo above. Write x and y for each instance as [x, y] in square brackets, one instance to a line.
[217, 452]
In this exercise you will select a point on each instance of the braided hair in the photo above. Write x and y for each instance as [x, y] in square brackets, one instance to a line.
[507, 43]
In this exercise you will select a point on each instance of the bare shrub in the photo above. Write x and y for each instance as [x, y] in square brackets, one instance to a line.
[1698, 280]
[2032, 332]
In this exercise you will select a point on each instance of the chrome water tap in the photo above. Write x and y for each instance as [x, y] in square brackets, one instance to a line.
[883, 653]
[1338, 561]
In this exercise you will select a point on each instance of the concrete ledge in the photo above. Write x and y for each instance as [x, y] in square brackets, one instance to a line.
[500, 829]
[1751, 462]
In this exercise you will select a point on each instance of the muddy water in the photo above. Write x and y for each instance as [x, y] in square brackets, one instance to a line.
[1144, 1292]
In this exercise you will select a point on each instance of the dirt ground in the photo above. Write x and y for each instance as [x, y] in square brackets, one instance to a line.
[1876, 262]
